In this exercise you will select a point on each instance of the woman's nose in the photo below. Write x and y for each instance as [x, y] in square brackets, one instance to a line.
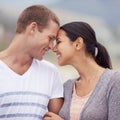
[54, 49]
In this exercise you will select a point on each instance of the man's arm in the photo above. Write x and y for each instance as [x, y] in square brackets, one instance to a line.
[55, 105]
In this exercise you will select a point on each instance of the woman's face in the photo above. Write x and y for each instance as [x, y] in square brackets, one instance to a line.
[64, 48]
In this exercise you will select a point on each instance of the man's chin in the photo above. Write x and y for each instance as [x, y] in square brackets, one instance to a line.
[41, 58]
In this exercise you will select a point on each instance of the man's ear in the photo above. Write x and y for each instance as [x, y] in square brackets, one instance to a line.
[78, 43]
[33, 27]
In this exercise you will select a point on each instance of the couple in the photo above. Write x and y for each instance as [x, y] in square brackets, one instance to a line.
[30, 85]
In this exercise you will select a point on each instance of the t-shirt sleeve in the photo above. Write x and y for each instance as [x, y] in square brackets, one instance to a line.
[57, 86]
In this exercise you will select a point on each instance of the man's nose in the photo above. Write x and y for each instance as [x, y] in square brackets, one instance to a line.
[54, 49]
[51, 45]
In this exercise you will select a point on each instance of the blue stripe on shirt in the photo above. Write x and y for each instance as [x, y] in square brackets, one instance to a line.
[20, 115]
[23, 104]
[24, 93]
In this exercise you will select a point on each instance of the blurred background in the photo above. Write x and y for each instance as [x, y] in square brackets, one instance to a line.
[102, 15]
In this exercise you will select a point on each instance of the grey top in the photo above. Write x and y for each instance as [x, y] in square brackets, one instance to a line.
[104, 102]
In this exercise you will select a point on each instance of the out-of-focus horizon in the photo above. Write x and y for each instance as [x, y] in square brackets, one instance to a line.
[102, 15]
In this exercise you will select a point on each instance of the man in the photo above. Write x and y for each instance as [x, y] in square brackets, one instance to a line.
[29, 85]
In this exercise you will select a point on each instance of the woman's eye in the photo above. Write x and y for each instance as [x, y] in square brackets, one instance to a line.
[58, 42]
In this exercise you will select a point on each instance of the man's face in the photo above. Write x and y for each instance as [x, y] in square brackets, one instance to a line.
[43, 41]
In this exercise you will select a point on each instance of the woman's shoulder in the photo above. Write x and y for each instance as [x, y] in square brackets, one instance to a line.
[115, 77]
[113, 86]
[112, 74]
[114, 81]
[69, 83]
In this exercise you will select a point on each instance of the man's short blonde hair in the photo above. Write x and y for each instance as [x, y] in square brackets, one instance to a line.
[36, 13]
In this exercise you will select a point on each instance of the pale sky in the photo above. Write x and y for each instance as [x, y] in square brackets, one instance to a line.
[16, 6]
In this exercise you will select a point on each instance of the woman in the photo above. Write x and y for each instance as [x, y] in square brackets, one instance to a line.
[95, 95]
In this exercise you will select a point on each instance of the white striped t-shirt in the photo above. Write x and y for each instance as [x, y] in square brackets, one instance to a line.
[25, 97]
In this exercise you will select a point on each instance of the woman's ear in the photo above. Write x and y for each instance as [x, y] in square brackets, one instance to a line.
[78, 43]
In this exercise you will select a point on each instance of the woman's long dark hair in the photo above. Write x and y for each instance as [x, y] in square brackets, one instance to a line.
[82, 29]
